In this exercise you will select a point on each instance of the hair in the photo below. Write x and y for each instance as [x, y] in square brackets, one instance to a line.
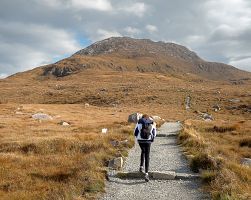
[145, 116]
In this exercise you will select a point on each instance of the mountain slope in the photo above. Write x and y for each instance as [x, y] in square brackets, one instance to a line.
[127, 54]
[120, 71]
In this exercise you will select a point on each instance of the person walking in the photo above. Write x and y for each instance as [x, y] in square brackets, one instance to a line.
[145, 132]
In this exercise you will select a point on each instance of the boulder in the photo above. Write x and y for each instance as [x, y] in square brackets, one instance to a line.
[42, 116]
[246, 162]
[134, 118]
[116, 163]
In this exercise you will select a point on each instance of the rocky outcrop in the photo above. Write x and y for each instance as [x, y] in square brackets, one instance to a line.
[59, 71]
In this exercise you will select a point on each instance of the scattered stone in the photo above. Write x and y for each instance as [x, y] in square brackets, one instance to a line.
[207, 117]
[42, 116]
[87, 104]
[234, 100]
[188, 102]
[116, 163]
[114, 143]
[246, 162]
[216, 108]
[63, 123]
[20, 108]
[134, 118]
[104, 130]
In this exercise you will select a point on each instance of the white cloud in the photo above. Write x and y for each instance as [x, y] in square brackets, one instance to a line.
[101, 5]
[2, 75]
[137, 9]
[132, 31]
[244, 64]
[151, 28]
[25, 46]
[103, 34]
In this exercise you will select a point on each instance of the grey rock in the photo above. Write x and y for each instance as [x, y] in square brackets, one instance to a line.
[234, 100]
[114, 143]
[42, 116]
[134, 118]
[207, 117]
[59, 71]
[246, 162]
[188, 102]
[116, 163]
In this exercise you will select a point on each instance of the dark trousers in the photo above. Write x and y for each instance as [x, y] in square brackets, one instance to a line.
[145, 153]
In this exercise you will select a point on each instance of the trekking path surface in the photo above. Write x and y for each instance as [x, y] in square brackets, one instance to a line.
[165, 155]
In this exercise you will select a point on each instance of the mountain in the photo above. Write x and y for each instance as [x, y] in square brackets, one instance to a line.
[143, 55]
[125, 71]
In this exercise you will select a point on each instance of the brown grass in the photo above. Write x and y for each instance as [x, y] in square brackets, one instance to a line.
[215, 149]
[44, 160]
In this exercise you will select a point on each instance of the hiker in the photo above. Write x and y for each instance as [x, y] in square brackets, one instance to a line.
[145, 132]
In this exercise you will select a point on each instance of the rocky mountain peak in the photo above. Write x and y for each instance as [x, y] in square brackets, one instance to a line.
[137, 47]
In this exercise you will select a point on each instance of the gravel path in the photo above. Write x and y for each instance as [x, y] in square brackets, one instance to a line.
[165, 156]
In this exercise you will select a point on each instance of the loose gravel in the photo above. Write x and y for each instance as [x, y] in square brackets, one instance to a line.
[165, 155]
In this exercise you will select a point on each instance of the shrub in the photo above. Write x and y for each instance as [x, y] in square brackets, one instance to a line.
[202, 161]
[245, 142]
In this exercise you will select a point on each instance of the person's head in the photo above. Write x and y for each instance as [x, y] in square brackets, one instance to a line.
[146, 116]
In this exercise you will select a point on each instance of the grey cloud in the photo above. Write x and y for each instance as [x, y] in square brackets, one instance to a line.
[34, 32]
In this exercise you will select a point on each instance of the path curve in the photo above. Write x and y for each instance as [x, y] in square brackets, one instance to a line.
[165, 156]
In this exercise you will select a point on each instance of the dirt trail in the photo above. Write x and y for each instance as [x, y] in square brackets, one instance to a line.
[165, 156]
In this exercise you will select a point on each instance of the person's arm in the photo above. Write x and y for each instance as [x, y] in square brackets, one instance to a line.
[136, 130]
[153, 133]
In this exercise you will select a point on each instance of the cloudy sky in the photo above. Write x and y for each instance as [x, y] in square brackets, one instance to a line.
[37, 32]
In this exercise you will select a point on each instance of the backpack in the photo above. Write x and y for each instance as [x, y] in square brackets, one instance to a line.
[146, 129]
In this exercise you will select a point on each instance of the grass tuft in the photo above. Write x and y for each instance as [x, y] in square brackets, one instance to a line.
[245, 142]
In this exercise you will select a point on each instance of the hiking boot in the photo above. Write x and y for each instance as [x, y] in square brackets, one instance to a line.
[141, 169]
[146, 177]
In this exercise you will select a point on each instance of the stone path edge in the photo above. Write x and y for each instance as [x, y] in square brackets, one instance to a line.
[156, 175]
